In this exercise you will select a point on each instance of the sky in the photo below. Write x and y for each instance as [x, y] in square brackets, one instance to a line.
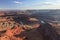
[29, 4]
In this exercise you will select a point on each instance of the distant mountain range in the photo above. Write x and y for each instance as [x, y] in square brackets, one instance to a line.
[48, 15]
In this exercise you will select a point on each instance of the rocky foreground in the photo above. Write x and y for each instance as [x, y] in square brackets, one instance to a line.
[27, 28]
[38, 31]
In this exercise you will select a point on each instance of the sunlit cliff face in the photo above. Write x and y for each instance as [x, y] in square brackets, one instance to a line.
[5, 23]
[13, 28]
[10, 34]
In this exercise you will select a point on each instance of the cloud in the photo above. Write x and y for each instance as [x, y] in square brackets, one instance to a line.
[17, 2]
[48, 4]
[44, 5]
